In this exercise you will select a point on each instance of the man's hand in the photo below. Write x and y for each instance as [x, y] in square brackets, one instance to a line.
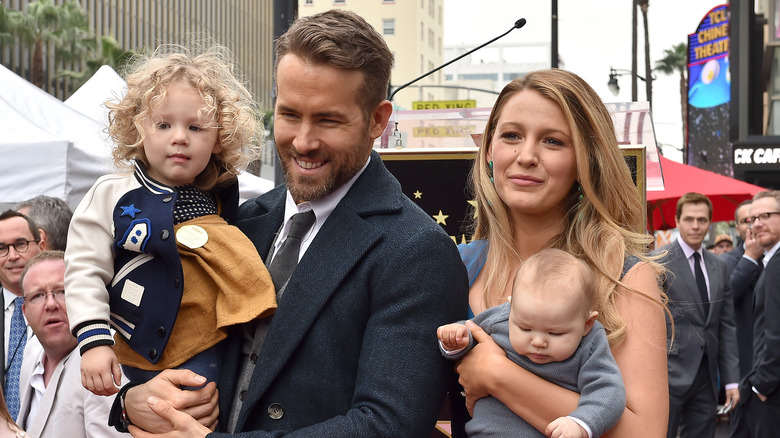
[732, 397]
[752, 247]
[200, 404]
[100, 372]
[564, 427]
[184, 426]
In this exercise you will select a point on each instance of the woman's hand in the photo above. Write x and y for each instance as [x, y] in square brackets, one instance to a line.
[475, 368]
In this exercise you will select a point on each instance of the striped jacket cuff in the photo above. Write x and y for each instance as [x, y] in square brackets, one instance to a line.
[93, 334]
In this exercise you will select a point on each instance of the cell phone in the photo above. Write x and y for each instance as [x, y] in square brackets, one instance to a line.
[726, 408]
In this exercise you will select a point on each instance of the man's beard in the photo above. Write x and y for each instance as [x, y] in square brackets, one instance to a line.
[304, 188]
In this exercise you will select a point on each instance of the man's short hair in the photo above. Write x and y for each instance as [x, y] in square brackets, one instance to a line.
[52, 215]
[41, 257]
[693, 198]
[8, 214]
[344, 40]
[768, 194]
[741, 204]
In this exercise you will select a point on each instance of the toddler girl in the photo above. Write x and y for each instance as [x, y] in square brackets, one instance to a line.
[150, 251]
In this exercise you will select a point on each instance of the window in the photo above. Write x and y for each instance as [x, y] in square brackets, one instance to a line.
[422, 31]
[309, 2]
[339, 2]
[431, 8]
[430, 38]
[388, 26]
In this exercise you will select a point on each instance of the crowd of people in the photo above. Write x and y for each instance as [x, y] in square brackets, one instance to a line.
[159, 307]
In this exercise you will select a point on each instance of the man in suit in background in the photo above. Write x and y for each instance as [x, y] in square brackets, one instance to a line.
[348, 352]
[52, 215]
[20, 241]
[759, 389]
[54, 403]
[744, 266]
[704, 333]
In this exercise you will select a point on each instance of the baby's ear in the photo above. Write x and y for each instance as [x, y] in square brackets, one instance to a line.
[592, 315]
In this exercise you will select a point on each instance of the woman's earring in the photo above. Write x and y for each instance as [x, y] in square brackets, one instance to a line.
[490, 166]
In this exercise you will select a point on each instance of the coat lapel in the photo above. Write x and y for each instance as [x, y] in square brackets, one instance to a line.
[317, 277]
[45, 407]
[716, 288]
[682, 270]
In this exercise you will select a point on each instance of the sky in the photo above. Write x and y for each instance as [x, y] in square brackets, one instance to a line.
[593, 35]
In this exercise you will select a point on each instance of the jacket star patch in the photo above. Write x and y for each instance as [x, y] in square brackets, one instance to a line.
[129, 210]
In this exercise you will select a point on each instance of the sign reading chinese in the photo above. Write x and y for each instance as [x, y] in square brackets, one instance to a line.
[709, 93]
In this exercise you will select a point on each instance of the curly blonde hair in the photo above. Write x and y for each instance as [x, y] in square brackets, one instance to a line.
[227, 102]
[599, 228]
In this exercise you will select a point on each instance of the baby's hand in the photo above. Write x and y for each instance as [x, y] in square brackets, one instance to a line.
[453, 336]
[565, 427]
[98, 366]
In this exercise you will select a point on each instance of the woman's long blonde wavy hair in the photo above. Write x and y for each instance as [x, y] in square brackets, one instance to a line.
[599, 228]
[226, 101]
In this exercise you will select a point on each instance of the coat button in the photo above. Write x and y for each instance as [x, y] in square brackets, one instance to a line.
[176, 282]
[161, 331]
[253, 357]
[168, 199]
[164, 234]
[275, 411]
[152, 353]
[241, 395]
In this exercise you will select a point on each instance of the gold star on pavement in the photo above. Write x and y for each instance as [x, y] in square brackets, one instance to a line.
[417, 195]
[441, 218]
[473, 203]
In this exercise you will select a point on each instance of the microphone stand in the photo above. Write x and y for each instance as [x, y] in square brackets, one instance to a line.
[518, 24]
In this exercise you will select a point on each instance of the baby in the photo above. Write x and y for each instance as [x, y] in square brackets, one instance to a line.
[548, 328]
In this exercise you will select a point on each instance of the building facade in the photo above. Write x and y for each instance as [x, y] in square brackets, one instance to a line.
[414, 32]
[243, 26]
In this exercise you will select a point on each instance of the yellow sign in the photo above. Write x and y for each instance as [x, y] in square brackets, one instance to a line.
[442, 131]
[443, 104]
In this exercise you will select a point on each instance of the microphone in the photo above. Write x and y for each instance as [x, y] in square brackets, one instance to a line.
[518, 24]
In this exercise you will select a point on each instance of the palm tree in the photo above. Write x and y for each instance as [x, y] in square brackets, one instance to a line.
[64, 26]
[7, 26]
[634, 26]
[109, 54]
[643, 5]
[676, 60]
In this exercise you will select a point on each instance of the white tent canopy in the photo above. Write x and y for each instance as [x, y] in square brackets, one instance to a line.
[58, 149]
[46, 148]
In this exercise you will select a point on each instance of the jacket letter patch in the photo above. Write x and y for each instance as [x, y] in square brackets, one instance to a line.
[137, 235]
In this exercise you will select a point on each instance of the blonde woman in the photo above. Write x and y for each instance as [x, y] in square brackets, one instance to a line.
[549, 173]
[9, 429]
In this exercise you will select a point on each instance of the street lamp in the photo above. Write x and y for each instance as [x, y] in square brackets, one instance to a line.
[612, 84]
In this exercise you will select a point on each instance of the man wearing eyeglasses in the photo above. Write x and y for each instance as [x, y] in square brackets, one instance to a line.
[703, 348]
[54, 403]
[744, 266]
[20, 241]
[759, 388]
